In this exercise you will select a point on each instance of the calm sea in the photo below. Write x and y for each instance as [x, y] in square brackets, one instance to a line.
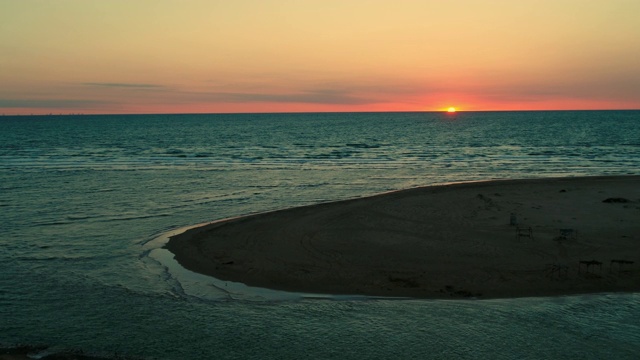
[84, 201]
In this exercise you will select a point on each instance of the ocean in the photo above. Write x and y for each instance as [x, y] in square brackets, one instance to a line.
[86, 203]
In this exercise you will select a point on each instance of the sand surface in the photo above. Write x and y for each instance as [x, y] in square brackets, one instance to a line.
[450, 241]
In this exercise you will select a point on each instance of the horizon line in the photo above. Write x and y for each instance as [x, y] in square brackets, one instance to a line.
[314, 112]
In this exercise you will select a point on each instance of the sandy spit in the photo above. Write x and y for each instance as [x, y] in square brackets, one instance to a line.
[494, 239]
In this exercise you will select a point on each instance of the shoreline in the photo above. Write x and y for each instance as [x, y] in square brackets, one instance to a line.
[436, 242]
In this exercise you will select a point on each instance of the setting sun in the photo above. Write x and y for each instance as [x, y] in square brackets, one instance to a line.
[451, 110]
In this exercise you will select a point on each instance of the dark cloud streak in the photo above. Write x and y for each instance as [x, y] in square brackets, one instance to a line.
[124, 85]
[50, 103]
[308, 97]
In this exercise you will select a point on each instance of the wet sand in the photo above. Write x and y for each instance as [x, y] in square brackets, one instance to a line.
[491, 239]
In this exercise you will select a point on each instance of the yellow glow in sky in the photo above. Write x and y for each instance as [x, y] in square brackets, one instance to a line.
[155, 56]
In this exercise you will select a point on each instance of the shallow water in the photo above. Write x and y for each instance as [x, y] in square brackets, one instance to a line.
[83, 200]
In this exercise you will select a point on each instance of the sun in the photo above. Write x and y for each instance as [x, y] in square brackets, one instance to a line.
[451, 110]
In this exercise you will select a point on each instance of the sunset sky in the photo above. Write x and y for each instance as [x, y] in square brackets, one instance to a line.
[212, 56]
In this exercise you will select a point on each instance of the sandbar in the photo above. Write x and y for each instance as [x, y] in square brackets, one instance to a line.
[489, 239]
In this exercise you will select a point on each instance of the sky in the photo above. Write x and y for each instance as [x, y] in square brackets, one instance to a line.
[221, 56]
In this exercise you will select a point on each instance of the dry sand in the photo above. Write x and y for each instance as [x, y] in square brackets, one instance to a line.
[450, 241]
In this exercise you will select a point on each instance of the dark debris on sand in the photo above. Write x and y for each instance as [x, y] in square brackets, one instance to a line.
[616, 200]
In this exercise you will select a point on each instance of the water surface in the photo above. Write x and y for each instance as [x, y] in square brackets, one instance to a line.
[83, 198]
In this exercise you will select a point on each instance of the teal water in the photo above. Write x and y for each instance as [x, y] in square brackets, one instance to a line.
[83, 200]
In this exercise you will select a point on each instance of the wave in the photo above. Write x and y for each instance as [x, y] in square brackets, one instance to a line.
[364, 146]
[66, 257]
[134, 217]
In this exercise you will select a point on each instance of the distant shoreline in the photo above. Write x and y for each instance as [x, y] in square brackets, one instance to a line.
[440, 242]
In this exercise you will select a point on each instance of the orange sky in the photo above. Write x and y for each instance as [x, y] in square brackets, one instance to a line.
[171, 56]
